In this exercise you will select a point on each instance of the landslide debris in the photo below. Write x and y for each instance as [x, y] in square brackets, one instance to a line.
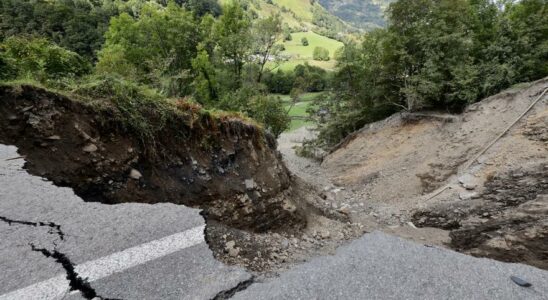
[415, 175]
[258, 215]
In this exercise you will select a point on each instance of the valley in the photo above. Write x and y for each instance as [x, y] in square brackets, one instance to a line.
[273, 149]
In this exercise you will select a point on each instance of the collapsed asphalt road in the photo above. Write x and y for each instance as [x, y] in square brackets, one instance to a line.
[56, 246]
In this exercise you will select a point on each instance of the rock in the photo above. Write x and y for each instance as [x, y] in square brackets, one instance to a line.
[468, 181]
[520, 281]
[249, 184]
[324, 234]
[411, 225]
[230, 247]
[90, 148]
[53, 138]
[470, 186]
[233, 252]
[344, 210]
[468, 195]
[134, 174]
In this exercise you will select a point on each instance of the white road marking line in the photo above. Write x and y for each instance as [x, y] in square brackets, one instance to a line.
[56, 287]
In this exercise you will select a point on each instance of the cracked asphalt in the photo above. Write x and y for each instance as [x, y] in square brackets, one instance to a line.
[53, 245]
[167, 257]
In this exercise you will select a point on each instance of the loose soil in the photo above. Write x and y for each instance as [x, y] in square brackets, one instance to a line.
[267, 210]
[257, 214]
[409, 175]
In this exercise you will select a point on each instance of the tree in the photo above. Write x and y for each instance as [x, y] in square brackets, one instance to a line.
[72, 24]
[266, 33]
[287, 33]
[436, 54]
[157, 46]
[304, 41]
[232, 34]
[39, 59]
[321, 54]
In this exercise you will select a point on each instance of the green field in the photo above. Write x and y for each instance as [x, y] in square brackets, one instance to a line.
[300, 54]
[299, 109]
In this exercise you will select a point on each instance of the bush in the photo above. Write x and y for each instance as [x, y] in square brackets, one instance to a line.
[304, 41]
[321, 54]
[39, 59]
[271, 112]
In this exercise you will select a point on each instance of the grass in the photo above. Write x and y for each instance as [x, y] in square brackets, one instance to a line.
[299, 109]
[295, 47]
[300, 54]
[301, 8]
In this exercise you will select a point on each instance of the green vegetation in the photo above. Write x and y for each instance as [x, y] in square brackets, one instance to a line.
[321, 54]
[436, 54]
[298, 111]
[40, 59]
[172, 48]
[297, 54]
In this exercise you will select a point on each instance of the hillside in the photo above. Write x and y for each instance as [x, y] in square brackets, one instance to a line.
[299, 54]
[298, 15]
[365, 14]
[417, 176]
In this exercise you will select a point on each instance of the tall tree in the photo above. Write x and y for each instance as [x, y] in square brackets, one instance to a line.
[232, 33]
[266, 33]
[155, 47]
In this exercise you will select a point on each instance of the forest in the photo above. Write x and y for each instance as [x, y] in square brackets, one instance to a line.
[432, 55]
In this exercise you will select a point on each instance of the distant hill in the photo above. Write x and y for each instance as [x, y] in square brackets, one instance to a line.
[299, 15]
[364, 14]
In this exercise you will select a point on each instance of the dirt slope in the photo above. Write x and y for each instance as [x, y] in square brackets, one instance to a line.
[258, 215]
[411, 170]
[228, 167]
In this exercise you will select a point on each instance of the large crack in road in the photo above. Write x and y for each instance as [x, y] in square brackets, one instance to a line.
[76, 282]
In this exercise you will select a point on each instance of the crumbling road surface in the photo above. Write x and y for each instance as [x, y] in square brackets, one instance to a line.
[379, 266]
[56, 246]
[53, 245]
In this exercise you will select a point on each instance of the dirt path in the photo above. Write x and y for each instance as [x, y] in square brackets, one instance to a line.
[351, 200]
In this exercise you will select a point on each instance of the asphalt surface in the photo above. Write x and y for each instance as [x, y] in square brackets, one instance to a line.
[128, 251]
[134, 251]
[379, 266]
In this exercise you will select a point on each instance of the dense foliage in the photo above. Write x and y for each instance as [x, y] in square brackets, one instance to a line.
[436, 54]
[76, 25]
[183, 48]
[39, 59]
[321, 54]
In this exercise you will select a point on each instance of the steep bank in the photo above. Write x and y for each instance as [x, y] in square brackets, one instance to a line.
[258, 215]
[414, 175]
[226, 166]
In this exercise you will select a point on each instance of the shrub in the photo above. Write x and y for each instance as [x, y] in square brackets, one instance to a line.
[321, 54]
[39, 59]
[304, 41]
